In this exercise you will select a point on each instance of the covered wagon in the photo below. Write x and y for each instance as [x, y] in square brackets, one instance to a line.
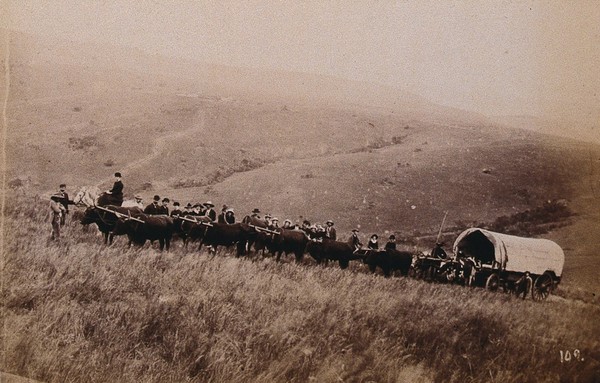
[510, 262]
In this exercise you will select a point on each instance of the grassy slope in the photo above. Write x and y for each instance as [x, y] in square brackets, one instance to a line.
[82, 312]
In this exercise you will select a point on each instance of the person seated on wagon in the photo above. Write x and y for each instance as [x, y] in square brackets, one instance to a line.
[354, 241]
[229, 216]
[210, 211]
[139, 201]
[287, 224]
[164, 208]
[187, 209]
[176, 212]
[330, 230]
[438, 251]
[391, 243]
[154, 208]
[373, 243]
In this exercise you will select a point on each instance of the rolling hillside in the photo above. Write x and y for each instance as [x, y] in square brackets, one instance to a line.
[295, 145]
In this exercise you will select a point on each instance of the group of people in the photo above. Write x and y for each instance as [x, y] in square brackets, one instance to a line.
[373, 243]
[206, 209]
[59, 207]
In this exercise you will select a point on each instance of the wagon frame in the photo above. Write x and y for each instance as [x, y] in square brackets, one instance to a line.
[511, 263]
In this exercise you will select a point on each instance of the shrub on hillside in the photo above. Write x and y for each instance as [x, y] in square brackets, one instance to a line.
[531, 222]
[83, 143]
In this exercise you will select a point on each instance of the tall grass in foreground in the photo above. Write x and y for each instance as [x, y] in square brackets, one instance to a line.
[79, 311]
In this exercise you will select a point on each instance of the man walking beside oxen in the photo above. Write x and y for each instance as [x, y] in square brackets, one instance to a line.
[57, 210]
[65, 201]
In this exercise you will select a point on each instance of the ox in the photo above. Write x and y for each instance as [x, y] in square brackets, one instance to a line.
[224, 234]
[151, 227]
[285, 241]
[191, 227]
[106, 218]
[256, 222]
[328, 249]
[389, 260]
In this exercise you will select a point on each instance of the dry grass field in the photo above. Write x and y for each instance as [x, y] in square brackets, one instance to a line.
[80, 311]
[309, 147]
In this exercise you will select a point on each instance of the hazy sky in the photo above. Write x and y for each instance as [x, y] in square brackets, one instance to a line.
[494, 57]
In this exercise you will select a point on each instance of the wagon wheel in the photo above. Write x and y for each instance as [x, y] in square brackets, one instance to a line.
[542, 287]
[493, 282]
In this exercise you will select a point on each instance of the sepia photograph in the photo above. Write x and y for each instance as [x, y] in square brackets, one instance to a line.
[300, 191]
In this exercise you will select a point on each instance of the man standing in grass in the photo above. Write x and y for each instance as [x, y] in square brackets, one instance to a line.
[65, 201]
[57, 210]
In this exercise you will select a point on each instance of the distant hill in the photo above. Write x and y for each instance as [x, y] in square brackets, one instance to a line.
[580, 130]
[292, 144]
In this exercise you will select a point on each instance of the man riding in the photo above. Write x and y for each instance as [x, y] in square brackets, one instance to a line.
[116, 193]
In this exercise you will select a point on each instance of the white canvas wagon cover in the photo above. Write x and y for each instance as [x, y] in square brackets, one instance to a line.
[510, 252]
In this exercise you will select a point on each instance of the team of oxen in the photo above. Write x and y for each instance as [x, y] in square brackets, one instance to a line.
[252, 234]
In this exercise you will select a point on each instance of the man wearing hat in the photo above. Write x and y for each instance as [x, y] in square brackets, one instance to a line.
[210, 212]
[154, 207]
[354, 241]
[176, 210]
[164, 208]
[229, 216]
[57, 210]
[391, 243]
[226, 213]
[274, 223]
[438, 251]
[268, 219]
[116, 193]
[65, 201]
[255, 213]
[197, 209]
[138, 201]
[330, 230]
[187, 209]
[287, 224]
